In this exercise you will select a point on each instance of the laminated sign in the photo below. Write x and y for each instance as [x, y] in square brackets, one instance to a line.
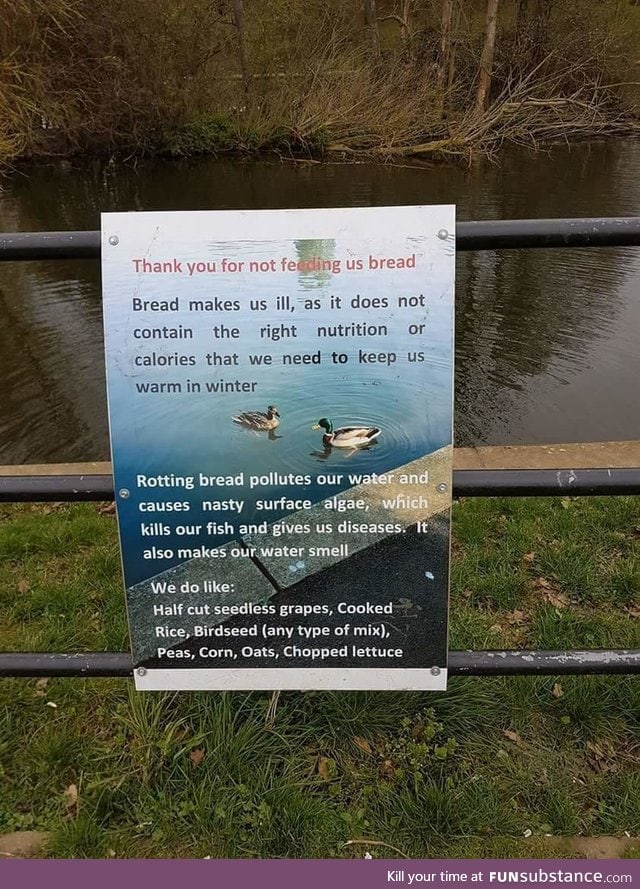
[280, 397]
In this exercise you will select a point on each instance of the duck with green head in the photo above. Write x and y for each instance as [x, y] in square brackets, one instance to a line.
[346, 436]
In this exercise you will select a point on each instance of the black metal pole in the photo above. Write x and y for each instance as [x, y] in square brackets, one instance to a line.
[49, 663]
[543, 663]
[498, 234]
[50, 245]
[466, 483]
[516, 234]
[461, 663]
[544, 482]
[48, 488]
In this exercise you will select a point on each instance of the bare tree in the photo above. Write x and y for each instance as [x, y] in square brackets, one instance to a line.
[407, 9]
[521, 14]
[540, 22]
[486, 59]
[403, 18]
[371, 23]
[238, 21]
[444, 57]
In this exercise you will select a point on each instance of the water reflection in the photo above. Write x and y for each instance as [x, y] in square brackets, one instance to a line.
[547, 342]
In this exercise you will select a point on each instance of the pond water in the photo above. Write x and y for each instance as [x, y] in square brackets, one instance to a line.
[547, 341]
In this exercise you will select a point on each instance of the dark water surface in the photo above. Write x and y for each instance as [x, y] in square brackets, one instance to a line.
[547, 342]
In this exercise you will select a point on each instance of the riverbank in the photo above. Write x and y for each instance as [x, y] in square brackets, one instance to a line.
[435, 81]
[536, 123]
[108, 772]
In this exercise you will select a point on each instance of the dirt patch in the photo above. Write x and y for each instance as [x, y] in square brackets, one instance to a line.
[593, 847]
[22, 843]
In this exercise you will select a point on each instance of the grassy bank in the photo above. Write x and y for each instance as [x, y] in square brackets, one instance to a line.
[311, 79]
[466, 773]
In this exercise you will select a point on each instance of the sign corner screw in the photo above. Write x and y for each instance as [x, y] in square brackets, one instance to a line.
[114, 240]
[435, 671]
[142, 672]
[124, 493]
[443, 234]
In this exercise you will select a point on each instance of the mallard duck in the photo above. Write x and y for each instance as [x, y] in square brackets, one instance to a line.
[259, 421]
[346, 436]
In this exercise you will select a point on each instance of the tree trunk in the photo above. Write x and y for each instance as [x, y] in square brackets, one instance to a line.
[406, 20]
[521, 14]
[522, 35]
[238, 21]
[486, 59]
[445, 43]
[371, 22]
[540, 30]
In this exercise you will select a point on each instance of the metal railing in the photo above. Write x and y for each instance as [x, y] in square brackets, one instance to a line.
[481, 235]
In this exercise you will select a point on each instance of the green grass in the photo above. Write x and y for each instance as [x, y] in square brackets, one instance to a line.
[427, 774]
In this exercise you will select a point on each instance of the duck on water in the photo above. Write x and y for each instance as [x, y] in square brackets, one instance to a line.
[259, 421]
[346, 436]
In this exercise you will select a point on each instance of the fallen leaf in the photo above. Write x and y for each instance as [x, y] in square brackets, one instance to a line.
[324, 764]
[528, 558]
[558, 600]
[52, 705]
[387, 768]
[550, 593]
[601, 756]
[41, 684]
[196, 756]
[557, 691]
[601, 749]
[107, 509]
[23, 586]
[71, 799]
[512, 736]
[363, 744]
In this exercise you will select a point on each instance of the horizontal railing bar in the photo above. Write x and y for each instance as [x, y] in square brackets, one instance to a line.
[460, 663]
[545, 482]
[466, 483]
[50, 245]
[48, 488]
[486, 234]
[48, 663]
[510, 234]
[544, 663]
